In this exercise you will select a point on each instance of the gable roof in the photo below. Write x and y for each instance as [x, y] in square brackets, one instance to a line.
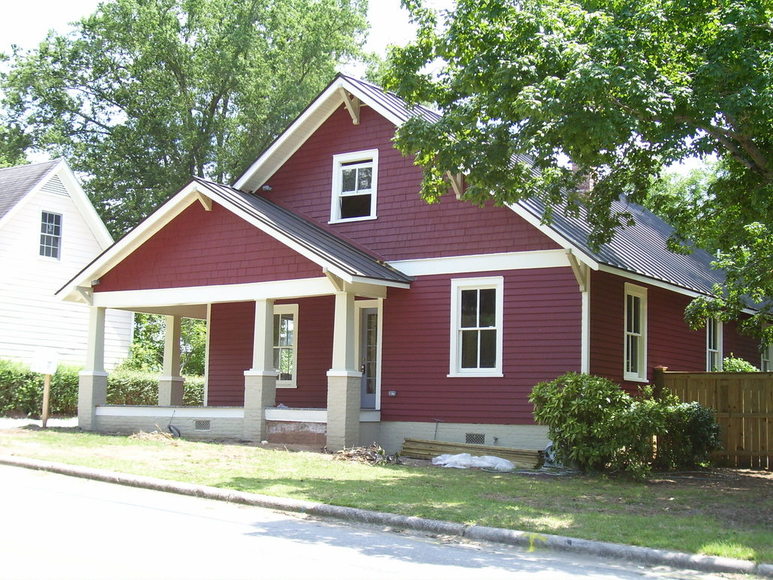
[20, 184]
[17, 182]
[387, 104]
[332, 253]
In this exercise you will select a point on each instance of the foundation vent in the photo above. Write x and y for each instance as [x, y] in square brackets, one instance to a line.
[202, 425]
[475, 438]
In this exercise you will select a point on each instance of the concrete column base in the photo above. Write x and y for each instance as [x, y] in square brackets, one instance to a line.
[170, 391]
[343, 409]
[92, 392]
[259, 393]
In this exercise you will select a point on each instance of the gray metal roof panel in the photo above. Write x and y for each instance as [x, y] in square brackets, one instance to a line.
[641, 249]
[392, 102]
[17, 182]
[331, 248]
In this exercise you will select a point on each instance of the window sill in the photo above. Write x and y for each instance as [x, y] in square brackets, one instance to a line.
[286, 385]
[635, 379]
[349, 220]
[476, 375]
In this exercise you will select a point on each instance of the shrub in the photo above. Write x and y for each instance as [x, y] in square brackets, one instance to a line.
[21, 390]
[691, 434]
[596, 426]
[733, 364]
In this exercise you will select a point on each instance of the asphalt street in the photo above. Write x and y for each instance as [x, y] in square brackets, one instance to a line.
[58, 527]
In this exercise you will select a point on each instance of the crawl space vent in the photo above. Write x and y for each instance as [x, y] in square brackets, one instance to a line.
[475, 438]
[201, 425]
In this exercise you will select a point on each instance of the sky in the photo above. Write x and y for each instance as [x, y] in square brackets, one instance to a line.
[26, 23]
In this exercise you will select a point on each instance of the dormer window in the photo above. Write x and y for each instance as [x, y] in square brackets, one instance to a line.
[354, 186]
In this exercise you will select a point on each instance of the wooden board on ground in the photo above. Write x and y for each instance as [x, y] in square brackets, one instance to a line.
[424, 449]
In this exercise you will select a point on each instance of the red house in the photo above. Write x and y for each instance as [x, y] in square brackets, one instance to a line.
[342, 309]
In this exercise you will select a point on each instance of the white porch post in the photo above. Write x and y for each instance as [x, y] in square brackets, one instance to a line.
[170, 383]
[343, 379]
[260, 380]
[92, 381]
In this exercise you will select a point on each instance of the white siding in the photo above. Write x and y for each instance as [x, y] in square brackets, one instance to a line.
[31, 317]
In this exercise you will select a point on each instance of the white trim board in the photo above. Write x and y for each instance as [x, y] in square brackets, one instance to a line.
[482, 263]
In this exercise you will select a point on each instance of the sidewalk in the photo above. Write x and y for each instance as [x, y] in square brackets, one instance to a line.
[531, 541]
[11, 423]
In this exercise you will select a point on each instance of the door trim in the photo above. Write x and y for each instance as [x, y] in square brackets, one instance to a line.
[378, 305]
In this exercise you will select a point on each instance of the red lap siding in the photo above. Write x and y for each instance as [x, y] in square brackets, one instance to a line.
[406, 227]
[200, 248]
[541, 341]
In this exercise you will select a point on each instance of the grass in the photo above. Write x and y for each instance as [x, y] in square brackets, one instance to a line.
[724, 513]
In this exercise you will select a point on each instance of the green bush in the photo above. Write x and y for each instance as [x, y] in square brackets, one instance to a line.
[691, 434]
[21, 390]
[596, 426]
[733, 364]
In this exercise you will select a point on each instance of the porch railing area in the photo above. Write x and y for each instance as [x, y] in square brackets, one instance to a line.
[744, 407]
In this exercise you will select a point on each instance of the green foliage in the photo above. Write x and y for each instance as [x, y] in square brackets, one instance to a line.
[21, 390]
[733, 364]
[621, 89]
[596, 426]
[147, 349]
[691, 434]
[142, 95]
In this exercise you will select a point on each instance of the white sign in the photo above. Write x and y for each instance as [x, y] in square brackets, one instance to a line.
[44, 361]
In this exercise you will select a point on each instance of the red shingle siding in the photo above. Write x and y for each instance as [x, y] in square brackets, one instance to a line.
[541, 341]
[406, 226]
[670, 341]
[230, 352]
[200, 248]
[741, 345]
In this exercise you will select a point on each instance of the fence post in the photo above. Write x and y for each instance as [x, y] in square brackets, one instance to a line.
[659, 378]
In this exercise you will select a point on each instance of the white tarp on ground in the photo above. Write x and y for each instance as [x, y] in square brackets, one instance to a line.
[466, 461]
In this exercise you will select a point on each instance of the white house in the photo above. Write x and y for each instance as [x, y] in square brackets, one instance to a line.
[48, 231]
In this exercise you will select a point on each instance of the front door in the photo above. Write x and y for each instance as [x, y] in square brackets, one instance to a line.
[368, 356]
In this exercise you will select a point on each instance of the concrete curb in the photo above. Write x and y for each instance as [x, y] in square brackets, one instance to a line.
[529, 540]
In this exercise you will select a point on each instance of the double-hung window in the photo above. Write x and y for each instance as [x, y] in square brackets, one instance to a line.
[50, 235]
[635, 347]
[286, 344]
[476, 326]
[713, 345]
[355, 177]
[766, 360]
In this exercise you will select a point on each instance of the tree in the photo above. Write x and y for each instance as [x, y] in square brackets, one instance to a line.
[144, 94]
[538, 96]
[147, 350]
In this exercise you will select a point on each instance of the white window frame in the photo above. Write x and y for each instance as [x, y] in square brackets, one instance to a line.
[640, 375]
[369, 156]
[714, 330]
[455, 358]
[288, 309]
[58, 237]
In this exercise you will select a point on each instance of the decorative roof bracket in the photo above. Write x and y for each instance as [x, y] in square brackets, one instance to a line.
[457, 183]
[352, 105]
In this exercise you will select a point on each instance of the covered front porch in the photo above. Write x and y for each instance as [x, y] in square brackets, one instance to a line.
[295, 368]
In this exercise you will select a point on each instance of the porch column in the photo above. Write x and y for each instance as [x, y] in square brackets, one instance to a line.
[92, 381]
[343, 380]
[170, 383]
[260, 380]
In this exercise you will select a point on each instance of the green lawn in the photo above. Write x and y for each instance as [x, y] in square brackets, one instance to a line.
[724, 512]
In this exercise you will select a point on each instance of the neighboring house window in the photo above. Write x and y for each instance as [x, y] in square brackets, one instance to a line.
[285, 344]
[355, 176]
[713, 345]
[635, 366]
[766, 363]
[476, 326]
[50, 235]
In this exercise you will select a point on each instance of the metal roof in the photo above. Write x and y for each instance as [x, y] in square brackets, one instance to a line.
[641, 249]
[328, 247]
[16, 182]
[391, 102]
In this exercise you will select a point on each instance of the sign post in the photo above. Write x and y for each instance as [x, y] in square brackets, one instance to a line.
[45, 363]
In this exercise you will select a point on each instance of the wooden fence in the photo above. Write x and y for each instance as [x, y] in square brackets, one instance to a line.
[744, 406]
